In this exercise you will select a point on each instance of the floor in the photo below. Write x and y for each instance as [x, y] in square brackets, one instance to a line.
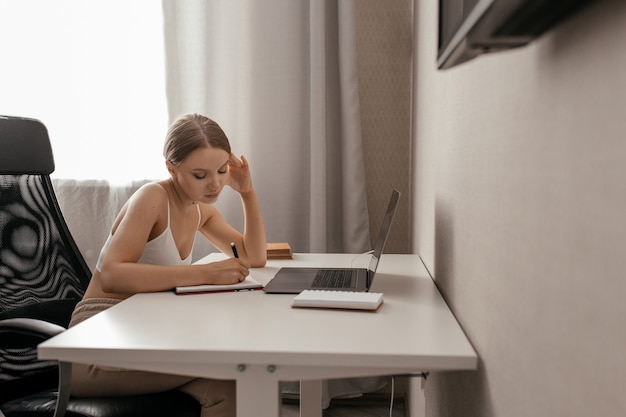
[354, 408]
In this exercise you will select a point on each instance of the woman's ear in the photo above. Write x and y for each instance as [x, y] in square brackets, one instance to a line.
[170, 167]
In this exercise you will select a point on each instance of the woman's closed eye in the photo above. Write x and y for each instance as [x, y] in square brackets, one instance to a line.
[223, 169]
[203, 176]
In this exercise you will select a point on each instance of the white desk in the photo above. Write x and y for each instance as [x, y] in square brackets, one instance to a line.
[259, 340]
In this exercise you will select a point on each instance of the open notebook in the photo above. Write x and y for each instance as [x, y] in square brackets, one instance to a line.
[246, 285]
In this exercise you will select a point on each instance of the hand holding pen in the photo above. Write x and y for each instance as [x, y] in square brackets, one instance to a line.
[234, 248]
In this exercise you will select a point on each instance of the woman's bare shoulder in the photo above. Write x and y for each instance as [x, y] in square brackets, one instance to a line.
[150, 197]
[209, 214]
[147, 204]
[207, 210]
[152, 191]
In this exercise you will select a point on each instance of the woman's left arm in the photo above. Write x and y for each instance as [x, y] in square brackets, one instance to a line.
[254, 241]
[252, 244]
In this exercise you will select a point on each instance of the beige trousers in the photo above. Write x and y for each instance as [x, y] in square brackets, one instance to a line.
[216, 397]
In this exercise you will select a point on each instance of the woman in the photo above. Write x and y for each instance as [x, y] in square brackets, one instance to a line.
[150, 246]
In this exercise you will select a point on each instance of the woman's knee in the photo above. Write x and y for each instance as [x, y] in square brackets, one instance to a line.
[212, 392]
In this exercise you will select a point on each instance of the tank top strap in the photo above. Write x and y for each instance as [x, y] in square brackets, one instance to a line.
[168, 212]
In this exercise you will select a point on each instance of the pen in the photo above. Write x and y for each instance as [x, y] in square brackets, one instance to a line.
[234, 248]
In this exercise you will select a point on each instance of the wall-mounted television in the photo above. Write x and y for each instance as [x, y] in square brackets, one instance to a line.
[469, 28]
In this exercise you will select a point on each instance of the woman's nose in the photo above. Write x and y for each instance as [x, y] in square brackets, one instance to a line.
[213, 182]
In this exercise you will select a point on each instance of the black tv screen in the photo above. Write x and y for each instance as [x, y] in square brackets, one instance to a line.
[469, 28]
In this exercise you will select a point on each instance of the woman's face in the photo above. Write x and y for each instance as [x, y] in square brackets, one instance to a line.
[203, 174]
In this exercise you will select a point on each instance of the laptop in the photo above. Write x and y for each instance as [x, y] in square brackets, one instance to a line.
[293, 280]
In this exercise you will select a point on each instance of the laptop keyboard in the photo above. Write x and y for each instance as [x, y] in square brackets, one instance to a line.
[333, 278]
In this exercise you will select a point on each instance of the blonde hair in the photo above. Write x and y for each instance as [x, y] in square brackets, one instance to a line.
[190, 132]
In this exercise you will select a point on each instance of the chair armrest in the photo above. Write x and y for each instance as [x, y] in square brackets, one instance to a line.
[30, 332]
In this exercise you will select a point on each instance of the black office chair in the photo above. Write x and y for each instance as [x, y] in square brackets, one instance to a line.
[42, 277]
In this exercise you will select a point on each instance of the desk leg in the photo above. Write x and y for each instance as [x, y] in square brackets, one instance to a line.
[417, 399]
[258, 394]
[311, 398]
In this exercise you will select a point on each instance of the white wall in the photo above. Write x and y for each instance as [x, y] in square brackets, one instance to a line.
[519, 191]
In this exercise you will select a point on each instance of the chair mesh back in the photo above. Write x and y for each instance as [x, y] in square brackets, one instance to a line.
[42, 273]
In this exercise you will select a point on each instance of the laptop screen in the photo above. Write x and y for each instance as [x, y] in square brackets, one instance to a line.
[383, 234]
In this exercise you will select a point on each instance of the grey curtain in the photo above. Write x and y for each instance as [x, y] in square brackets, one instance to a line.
[280, 77]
